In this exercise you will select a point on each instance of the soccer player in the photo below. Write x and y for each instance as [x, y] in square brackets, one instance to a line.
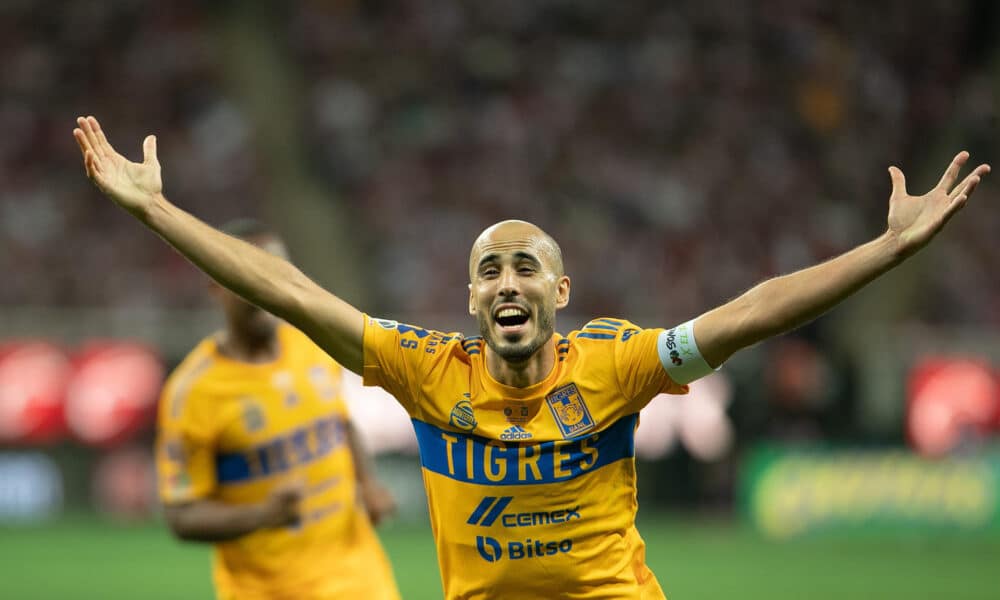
[525, 434]
[257, 456]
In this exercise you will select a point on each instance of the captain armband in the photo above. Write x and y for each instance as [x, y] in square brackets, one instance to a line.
[679, 354]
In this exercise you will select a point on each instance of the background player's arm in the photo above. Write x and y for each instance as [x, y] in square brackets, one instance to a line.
[258, 276]
[375, 497]
[784, 303]
[207, 520]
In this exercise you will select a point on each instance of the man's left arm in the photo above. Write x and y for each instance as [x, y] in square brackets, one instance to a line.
[375, 497]
[784, 303]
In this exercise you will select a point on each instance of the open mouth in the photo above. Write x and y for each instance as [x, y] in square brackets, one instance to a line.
[511, 317]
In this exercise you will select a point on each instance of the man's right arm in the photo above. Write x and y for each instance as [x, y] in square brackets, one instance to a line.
[205, 520]
[261, 278]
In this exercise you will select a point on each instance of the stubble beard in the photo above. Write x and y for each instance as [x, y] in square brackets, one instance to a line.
[518, 352]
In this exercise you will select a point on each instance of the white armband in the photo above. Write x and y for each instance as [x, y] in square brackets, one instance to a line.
[679, 354]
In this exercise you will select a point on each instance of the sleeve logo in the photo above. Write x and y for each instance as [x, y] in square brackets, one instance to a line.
[462, 416]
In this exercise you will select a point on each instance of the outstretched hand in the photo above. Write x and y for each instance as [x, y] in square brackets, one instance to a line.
[915, 220]
[132, 186]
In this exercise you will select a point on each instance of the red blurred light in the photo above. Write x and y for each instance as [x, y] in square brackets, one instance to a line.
[33, 379]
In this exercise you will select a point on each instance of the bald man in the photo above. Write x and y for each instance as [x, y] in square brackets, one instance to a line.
[525, 434]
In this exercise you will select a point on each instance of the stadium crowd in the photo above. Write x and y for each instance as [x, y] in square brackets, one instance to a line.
[679, 152]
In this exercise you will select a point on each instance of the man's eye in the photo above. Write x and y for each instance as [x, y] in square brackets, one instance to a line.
[526, 270]
[490, 273]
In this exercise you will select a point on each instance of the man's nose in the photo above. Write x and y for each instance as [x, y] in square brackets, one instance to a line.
[508, 283]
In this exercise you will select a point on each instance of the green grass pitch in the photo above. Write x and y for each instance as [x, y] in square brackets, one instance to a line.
[83, 558]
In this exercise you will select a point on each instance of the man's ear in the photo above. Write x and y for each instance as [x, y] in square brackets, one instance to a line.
[562, 292]
[472, 301]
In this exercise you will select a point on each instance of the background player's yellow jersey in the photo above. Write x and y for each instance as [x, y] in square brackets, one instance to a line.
[531, 490]
[231, 431]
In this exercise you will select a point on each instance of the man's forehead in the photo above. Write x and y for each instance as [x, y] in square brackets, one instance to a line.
[514, 238]
[508, 240]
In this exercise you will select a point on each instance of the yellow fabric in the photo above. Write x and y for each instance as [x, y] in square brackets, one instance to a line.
[531, 491]
[231, 431]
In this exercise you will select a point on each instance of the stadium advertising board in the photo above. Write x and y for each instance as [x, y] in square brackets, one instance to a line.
[792, 493]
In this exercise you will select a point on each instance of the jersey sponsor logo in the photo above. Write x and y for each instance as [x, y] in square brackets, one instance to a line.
[490, 549]
[282, 453]
[515, 432]
[491, 508]
[677, 343]
[475, 459]
[676, 358]
[462, 416]
[570, 411]
[670, 342]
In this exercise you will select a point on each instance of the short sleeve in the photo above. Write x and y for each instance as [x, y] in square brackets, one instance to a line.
[397, 357]
[640, 372]
[185, 448]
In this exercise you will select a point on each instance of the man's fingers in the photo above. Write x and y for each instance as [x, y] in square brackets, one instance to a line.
[93, 166]
[951, 173]
[80, 134]
[81, 141]
[971, 181]
[103, 145]
[149, 150]
[898, 181]
[966, 187]
[88, 134]
[957, 203]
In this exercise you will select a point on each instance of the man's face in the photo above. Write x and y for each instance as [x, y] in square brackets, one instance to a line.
[517, 286]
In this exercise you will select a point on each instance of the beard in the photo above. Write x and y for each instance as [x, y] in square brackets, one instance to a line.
[517, 352]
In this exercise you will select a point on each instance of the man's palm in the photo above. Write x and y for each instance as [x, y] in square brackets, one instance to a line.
[131, 185]
[914, 220]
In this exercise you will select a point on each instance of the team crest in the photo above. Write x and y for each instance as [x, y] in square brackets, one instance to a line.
[253, 415]
[462, 416]
[570, 411]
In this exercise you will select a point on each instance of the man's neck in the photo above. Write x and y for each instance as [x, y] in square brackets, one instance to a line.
[522, 374]
[244, 347]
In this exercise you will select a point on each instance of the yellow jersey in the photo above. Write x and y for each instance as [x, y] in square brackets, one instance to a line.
[230, 431]
[531, 490]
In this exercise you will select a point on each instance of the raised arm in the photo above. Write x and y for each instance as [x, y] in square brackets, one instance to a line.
[258, 276]
[784, 303]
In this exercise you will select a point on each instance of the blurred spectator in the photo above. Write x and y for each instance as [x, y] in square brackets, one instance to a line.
[714, 143]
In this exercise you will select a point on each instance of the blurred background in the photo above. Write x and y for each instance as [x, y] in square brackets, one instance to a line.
[679, 152]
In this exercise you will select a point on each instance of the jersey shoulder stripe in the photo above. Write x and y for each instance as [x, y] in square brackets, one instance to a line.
[592, 336]
[472, 345]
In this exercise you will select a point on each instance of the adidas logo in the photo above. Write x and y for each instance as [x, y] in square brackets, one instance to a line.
[515, 432]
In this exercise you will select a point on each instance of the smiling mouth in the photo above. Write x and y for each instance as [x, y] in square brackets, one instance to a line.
[511, 317]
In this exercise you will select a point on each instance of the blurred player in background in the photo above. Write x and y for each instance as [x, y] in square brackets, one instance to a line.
[257, 455]
[526, 436]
